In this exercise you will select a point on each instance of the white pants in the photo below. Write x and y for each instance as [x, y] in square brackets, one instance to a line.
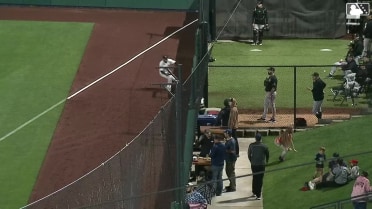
[367, 46]
[169, 78]
[336, 65]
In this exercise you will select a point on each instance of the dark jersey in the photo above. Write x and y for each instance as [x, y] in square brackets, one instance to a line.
[260, 16]
[318, 90]
[270, 83]
[367, 32]
[223, 116]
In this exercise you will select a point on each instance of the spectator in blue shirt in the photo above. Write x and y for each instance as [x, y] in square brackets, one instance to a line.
[230, 160]
[217, 155]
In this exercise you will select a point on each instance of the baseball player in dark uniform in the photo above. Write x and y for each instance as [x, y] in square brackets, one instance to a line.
[318, 94]
[259, 22]
[271, 84]
[367, 34]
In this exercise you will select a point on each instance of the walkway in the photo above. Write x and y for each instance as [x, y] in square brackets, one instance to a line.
[239, 199]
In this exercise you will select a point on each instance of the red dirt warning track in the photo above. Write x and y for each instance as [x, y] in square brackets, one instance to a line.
[99, 121]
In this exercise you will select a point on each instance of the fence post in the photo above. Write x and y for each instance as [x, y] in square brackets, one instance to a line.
[294, 97]
[180, 181]
[204, 56]
[212, 19]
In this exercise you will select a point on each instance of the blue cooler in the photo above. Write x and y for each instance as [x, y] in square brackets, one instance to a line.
[205, 120]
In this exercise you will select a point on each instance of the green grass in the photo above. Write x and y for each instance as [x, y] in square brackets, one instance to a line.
[281, 186]
[40, 60]
[283, 181]
[246, 83]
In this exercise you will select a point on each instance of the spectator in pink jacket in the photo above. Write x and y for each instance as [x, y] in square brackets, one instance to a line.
[361, 188]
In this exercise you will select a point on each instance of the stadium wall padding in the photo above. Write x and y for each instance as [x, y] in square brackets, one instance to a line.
[135, 4]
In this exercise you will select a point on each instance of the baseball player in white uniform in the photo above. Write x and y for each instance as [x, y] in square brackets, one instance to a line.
[165, 69]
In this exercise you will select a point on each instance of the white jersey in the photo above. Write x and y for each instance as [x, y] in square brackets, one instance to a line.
[163, 66]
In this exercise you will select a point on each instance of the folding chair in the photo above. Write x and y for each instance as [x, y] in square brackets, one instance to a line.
[349, 90]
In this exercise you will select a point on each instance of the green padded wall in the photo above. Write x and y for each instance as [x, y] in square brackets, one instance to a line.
[137, 4]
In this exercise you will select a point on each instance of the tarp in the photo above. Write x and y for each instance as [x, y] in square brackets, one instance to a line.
[287, 18]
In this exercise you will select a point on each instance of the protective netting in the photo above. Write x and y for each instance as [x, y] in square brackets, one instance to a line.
[144, 174]
[130, 179]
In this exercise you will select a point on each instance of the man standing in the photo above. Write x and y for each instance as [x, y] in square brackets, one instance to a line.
[165, 70]
[271, 84]
[205, 143]
[258, 155]
[230, 160]
[367, 35]
[318, 94]
[217, 155]
[224, 114]
[234, 122]
[259, 22]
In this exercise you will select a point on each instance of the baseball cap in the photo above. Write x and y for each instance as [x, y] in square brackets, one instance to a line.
[271, 69]
[354, 161]
[258, 137]
[315, 74]
[228, 131]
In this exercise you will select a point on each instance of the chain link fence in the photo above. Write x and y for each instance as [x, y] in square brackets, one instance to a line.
[342, 95]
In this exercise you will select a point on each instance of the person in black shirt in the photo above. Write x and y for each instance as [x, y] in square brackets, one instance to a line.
[356, 48]
[224, 114]
[259, 22]
[271, 84]
[318, 94]
[348, 66]
[218, 153]
[205, 143]
[230, 160]
[367, 33]
[351, 66]
[258, 155]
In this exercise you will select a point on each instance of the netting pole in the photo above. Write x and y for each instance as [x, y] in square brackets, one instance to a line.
[212, 19]
[179, 141]
[204, 56]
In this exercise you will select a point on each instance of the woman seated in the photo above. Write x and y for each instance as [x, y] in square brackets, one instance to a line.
[338, 176]
[194, 199]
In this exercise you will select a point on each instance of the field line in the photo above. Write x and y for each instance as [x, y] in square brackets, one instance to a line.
[31, 120]
[94, 82]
